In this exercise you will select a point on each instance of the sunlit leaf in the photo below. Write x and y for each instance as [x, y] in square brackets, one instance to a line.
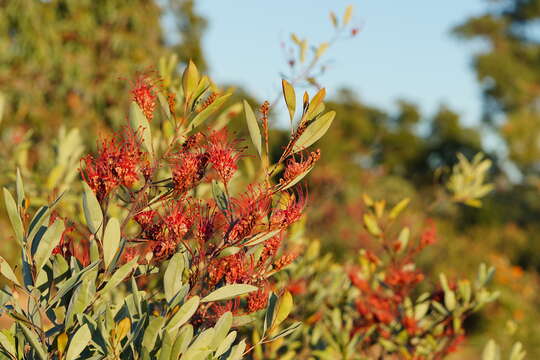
[253, 127]
[229, 292]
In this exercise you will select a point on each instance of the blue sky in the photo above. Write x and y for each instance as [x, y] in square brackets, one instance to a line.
[405, 49]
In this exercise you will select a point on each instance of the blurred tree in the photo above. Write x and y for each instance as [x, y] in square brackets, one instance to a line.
[508, 69]
[64, 61]
[190, 27]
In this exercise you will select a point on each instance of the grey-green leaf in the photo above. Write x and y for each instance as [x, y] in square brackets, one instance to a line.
[229, 292]
[314, 131]
[253, 127]
[111, 240]
[47, 243]
[184, 313]
[78, 343]
[204, 114]
[92, 211]
[140, 125]
[290, 97]
[34, 341]
[120, 274]
[172, 280]
[8, 273]
[14, 216]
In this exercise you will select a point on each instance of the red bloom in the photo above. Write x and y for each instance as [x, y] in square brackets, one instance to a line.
[295, 168]
[118, 162]
[223, 155]
[257, 300]
[188, 169]
[144, 94]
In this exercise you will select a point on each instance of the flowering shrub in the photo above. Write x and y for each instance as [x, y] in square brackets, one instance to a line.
[179, 244]
[380, 304]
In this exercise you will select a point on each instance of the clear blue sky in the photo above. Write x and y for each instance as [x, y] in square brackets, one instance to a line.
[405, 49]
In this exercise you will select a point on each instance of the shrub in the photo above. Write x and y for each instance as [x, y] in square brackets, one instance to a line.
[179, 243]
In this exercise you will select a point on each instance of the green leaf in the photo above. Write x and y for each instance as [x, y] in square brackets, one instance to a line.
[20, 190]
[237, 351]
[222, 327]
[290, 97]
[167, 344]
[284, 307]
[48, 242]
[491, 351]
[212, 108]
[403, 238]
[314, 131]
[202, 342]
[220, 196]
[270, 312]
[14, 217]
[70, 283]
[151, 333]
[184, 313]
[8, 273]
[517, 352]
[286, 331]
[371, 225]
[314, 103]
[261, 237]
[396, 210]
[7, 341]
[229, 292]
[92, 211]
[81, 298]
[172, 280]
[141, 126]
[111, 241]
[231, 250]
[78, 343]
[225, 345]
[190, 79]
[33, 339]
[200, 90]
[182, 341]
[253, 127]
[120, 274]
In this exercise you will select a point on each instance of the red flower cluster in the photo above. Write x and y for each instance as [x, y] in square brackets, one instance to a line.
[120, 161]
[144, 93]
[198, 154]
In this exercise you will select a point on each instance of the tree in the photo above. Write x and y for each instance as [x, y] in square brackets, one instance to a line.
[65, 61]
[509, 73]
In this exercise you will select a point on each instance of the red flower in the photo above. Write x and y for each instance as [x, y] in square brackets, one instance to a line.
[295, 168]
[223, 155]
[144, 94]
[119, 162]
[188, 169]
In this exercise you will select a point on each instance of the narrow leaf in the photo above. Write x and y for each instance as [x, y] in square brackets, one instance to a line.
[48, 242]
[290, 97]
[212, 108]
[92, 211]
[253, 127]
[172, 279]
[111, 241]
[6, 270]
[229, 292]
[314, 131]
[14, 216]
[78, 343]
[184, 313]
